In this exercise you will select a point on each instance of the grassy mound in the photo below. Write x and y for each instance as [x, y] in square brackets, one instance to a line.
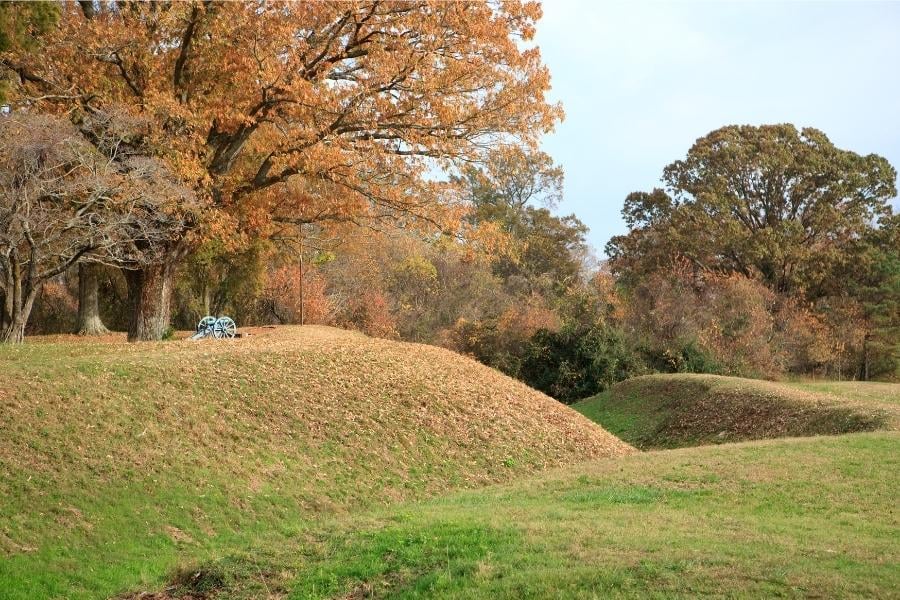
[119, 461]
[798, 518]
[667, 411]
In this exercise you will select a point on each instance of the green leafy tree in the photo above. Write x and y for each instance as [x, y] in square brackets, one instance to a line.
[769, 200]
[874, 281]
[516, 189]
[576, 362]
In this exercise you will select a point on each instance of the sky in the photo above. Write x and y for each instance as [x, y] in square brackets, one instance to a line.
[640, 81]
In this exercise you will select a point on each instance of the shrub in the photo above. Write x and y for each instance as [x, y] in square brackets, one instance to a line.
[577, 362]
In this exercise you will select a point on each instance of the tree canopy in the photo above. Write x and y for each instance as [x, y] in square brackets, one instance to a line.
[353, 97]
[772, 200]
[783, 206]
[514, 190]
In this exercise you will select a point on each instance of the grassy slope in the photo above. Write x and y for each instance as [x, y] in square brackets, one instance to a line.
[802, 517]
[862, 391]
[118, 462]
[666, 411]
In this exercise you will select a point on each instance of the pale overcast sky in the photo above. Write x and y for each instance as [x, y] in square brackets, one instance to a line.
[640, 81]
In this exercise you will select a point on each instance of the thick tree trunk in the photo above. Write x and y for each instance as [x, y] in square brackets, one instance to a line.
[14, 330]
[149, 301]
[89, 322]
[14, 333]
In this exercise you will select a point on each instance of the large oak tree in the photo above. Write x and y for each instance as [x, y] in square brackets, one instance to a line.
[355, 103]
[772, 201]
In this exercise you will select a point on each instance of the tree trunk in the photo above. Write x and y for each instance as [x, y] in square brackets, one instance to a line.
[4, 311]
[302, 311]
[149, 301]
[865, 366]
[89, 322]
[14, 330]
[14, 333]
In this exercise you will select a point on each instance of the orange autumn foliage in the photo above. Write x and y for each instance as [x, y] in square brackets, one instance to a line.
[282, 296]
[521, 321]
[738, 320]
[372, 315]
[290, 112]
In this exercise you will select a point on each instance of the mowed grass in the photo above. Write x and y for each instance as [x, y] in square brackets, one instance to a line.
[861, 391]
[793, 518]
[119, 462]
[670, 411]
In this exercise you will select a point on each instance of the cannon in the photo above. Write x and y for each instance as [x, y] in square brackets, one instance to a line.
[218, 328]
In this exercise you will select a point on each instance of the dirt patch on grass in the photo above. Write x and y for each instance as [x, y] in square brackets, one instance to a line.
[186, 584]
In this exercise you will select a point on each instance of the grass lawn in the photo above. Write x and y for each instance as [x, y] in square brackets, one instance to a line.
[802, 518]
[863, 391]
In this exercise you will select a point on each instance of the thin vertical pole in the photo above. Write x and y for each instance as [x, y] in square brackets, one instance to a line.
[302, 312]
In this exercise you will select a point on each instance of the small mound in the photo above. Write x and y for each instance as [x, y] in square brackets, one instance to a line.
[107, 448]
[668, 411]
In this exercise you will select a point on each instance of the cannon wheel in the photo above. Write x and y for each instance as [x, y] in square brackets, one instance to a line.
[205, 323]
[225, 328]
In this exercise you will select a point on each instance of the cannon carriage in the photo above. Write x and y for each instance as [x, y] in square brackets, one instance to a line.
[216, 327]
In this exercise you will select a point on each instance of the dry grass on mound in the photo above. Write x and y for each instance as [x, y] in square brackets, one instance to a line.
[349, 417]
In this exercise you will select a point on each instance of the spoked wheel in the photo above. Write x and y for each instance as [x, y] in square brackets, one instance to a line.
[225, 328]
[205, 323]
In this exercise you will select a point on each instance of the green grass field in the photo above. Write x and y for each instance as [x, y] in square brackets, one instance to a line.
[314, 463]
[802, 518]
[863, 391]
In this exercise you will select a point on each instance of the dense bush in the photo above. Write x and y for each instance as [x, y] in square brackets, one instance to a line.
[574, 362]
[687, 357]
